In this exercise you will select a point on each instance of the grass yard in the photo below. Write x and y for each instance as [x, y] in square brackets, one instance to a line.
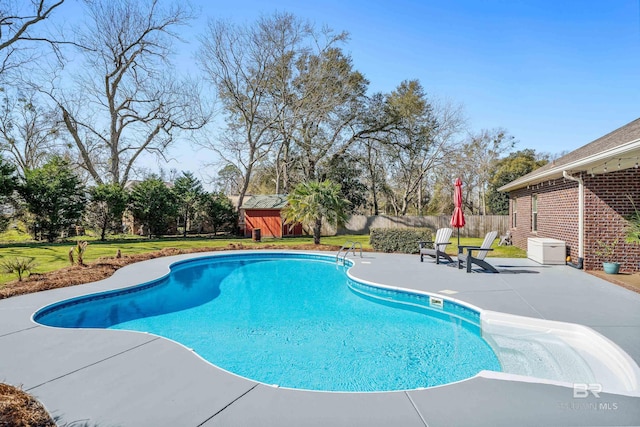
[49, 257]
[53, 256]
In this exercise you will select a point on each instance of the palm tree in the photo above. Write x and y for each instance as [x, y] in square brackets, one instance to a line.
[311, 202]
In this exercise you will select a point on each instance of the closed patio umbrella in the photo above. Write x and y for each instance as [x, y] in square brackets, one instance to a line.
[457, 219]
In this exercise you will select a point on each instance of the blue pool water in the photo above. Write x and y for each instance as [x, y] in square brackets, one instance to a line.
[294, 320]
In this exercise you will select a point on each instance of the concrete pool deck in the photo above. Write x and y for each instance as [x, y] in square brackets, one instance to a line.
[119, 378]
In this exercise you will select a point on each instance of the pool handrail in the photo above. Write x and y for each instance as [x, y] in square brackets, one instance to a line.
[352, 248]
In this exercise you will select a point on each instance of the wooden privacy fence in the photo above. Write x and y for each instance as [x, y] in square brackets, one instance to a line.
[476, 225]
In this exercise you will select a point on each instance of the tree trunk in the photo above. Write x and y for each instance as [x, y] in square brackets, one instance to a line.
[484, 201]
[186, 217]
[316, 230]
[372, 175]
[312, 170]
[405, 203]
[376, 209]
[420, 198]
[281, 168]
[103, 232]
[285, 170]
[245, 180]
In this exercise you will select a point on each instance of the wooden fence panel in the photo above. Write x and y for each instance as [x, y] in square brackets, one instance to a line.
[476, 225]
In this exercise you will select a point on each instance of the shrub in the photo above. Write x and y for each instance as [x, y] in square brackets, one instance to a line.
[55, 196]
[106, 207]
[219, 211]
[403, 240]
[154, 205]
[19, 266]
[605, 250]
[80, 250]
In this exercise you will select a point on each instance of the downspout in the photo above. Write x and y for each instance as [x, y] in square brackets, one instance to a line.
[579, 265]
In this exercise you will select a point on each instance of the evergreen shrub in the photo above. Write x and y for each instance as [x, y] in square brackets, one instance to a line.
[404, 240]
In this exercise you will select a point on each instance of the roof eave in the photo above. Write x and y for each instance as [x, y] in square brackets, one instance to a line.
[594, 164]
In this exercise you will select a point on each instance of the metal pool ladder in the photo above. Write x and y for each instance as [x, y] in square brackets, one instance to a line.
[351, 245]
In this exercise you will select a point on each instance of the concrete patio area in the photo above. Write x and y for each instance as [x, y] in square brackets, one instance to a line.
[119, 378]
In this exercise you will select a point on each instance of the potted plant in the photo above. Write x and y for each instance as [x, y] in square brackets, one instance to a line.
[605, 251]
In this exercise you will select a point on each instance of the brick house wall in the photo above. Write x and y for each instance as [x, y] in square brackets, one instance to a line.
[609, 198]
[607, 204]
[557, 213]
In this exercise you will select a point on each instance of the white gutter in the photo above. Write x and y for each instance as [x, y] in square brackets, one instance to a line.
[580, 215]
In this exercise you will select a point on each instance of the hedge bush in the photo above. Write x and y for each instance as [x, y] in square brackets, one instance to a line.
[403, 240]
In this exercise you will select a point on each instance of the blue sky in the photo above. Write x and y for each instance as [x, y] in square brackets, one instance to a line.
[555, 74]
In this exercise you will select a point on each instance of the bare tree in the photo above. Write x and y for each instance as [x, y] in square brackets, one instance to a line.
[126, 100]
[247, 64]
[18, 21]
[482, 150]
[475, 162]
[293, 37]
[416, 149]
[229, 180]
[378, 122]
[28, 131]
[375, 172]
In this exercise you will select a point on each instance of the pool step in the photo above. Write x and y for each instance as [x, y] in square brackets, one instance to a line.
[541, 356]
[559, 351]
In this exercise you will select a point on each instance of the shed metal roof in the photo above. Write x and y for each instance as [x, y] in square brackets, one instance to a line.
[265, 201]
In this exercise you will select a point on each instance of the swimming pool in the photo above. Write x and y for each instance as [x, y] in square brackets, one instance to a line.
[295, 320]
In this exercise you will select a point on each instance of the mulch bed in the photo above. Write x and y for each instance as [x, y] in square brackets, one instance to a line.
[19, 409]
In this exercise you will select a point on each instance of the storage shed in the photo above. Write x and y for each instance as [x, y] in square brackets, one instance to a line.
[264, 212]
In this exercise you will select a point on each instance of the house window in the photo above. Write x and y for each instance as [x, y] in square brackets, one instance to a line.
[534, 212]
[514, 212]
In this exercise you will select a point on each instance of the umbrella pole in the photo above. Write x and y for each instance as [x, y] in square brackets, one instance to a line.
[459, 240]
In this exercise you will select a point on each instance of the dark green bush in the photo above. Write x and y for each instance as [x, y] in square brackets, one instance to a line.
[403, 240]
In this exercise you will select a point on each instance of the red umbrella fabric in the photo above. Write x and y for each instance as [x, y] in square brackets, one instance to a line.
[457, 219]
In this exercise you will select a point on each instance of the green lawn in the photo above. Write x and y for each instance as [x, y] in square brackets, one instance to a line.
[49, 257]
[14, 235]
[497, 252]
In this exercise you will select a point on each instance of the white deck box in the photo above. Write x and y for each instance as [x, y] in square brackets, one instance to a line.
[546, 251]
